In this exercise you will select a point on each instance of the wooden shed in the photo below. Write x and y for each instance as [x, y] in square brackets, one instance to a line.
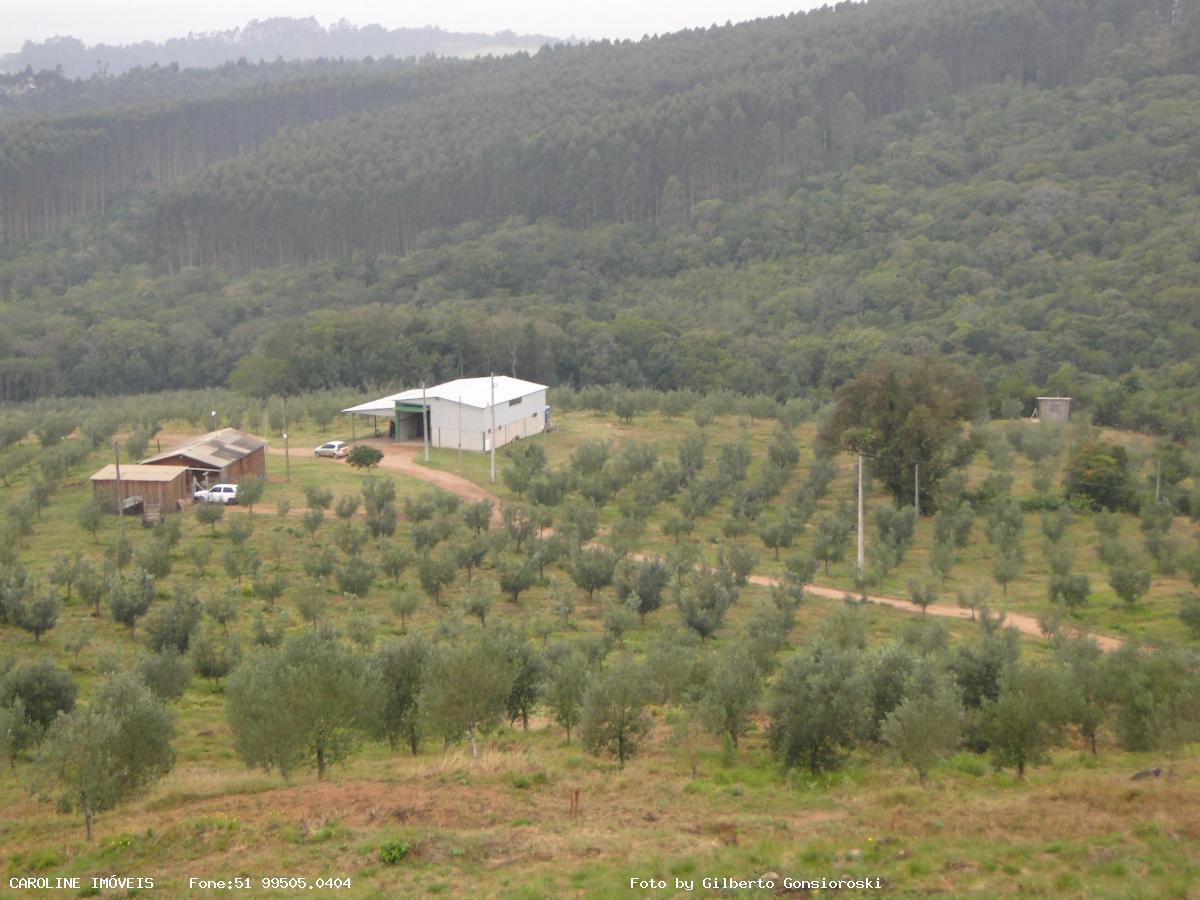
[219, 456]
[1053, 409]
[157, 487]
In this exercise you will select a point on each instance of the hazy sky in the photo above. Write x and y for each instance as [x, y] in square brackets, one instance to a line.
[126, 21]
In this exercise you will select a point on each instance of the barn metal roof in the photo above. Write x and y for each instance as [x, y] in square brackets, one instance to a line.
[467, 391]
[217, 448]
[140, 473]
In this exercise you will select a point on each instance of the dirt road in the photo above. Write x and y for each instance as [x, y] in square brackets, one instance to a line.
[403, 458]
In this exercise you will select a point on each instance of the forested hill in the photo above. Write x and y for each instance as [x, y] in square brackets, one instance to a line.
[761, 208]
[587, 132]
[46, 93]
[266, 40]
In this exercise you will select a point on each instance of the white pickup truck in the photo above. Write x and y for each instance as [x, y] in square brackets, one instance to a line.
[218, 493]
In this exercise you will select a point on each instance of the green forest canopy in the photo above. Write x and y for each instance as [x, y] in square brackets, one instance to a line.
[764, 208]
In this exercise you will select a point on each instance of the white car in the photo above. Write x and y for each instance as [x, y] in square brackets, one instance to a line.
[336, 449]
[218, 493]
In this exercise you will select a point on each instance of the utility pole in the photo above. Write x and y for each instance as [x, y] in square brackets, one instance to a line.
[425, 421]
[492, 392]
[287, 459]
[1157, 480]
[859, 563]
[120, 497]
[917, 488]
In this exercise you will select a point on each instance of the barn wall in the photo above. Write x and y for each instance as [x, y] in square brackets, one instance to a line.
[531, 407]
[253, 463]
[163, 493]
[512, 422]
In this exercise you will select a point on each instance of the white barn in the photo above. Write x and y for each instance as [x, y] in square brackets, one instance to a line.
[458, 414]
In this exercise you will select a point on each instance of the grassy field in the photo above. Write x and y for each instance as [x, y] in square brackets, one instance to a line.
[502, 825]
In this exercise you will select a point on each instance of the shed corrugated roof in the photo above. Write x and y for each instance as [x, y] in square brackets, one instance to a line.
[468, 391]
[217, 448]
[140, 473]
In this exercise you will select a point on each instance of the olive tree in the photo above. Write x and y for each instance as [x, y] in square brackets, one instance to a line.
[644, 581]
[398, 672]
[467, 687]
[303, 703]
[818, 708]
[363, 456]
[42, 688]
[564, 688]
[129, 598]
[107, 752]
[613, 716]
[730, 695]
[250, 490]
[926, 725]
[1025, 719]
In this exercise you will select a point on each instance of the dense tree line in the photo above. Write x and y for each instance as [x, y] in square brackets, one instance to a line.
[278, 38]
[46, 92]
[55, 170]
[639, 132]
[645, 129]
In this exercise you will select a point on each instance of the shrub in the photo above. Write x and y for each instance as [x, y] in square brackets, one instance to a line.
[393, 852]
[364, 457]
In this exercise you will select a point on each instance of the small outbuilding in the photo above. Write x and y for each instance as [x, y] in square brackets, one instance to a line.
[219, 456]
[1053, 409]
[459, 414]
[152, 488]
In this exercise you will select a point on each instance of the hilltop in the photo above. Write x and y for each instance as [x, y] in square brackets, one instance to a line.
[266, 40]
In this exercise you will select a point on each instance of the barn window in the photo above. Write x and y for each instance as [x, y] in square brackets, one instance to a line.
[515, 401]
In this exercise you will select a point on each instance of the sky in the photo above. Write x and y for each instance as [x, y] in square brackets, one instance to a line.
[128, 21]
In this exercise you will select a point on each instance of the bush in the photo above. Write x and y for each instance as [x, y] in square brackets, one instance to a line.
[393, 852]
[1098, 473]
[364, 457]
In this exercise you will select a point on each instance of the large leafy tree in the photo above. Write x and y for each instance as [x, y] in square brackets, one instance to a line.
[398, 673]
[819, 708]
[905, 413]
[614, 719]
[1098, 473]
[468, 687]
[114, 748]
[306, 702]
[1025, 719]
